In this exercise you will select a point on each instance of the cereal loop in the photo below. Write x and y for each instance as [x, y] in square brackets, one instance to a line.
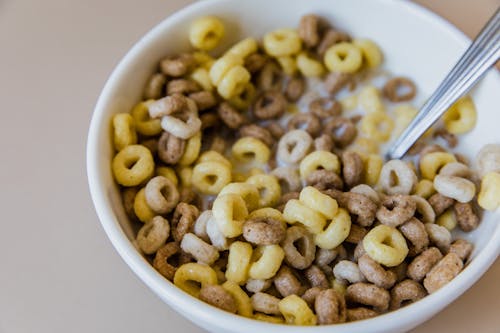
[189, 275]
[133, 165]
[385, 245]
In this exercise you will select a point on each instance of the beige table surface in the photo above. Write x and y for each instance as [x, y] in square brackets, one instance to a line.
[58, 271]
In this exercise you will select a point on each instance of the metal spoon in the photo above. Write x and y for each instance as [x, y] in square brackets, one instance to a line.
[474, 63]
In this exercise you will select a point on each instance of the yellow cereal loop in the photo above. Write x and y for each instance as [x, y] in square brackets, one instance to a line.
[489, 195]
[210, 177]
[425, 188]
[268, 187]
[168, 173]
[234, 82]
[377, 126]
[213, 156]
[203, 58]
[296, 311]
[319, 160]
[296, 211]
[243, 100]
[373, 166]
[133, 165]
[431, 163]
[288, 64]
[251, 151]
[141, 209]
[246, 191]
[243, 302]
[385, 245]
[308, 66]
[221, 66]
[370, 100]
[336, 232]
[268, 318]
[192, 150]
[447, 220]
[191, 277]
[343, 57]
[282, 42]
[461, 117]
[243, 48]
[230, 212]
[238, 262]
[206, 32]
[200, 75]
[124, 131]
[144, 124]
[370, 51]
[185, 175]
[320, 202]
[267, 261]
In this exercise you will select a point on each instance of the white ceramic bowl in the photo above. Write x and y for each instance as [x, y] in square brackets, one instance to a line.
[415, 42]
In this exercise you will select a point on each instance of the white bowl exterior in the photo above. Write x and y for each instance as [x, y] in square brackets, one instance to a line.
[415, 42]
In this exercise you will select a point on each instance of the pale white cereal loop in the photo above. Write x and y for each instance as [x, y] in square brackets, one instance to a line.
[201, 251]
[294, 146]
[396, 177]
[183, 129]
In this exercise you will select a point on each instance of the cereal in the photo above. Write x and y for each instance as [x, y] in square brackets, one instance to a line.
[261, 195]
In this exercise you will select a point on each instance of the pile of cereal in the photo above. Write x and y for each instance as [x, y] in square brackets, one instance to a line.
[259, 187]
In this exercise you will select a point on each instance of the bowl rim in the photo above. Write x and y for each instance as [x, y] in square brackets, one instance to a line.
[425, 308]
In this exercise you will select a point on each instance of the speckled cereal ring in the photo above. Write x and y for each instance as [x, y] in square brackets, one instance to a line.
[396, 210]
[161, 194]
[396, 177]
[303, 256]
[294, 146]
[406, 291]
[330, 307]
[368, 294]
[184, 218]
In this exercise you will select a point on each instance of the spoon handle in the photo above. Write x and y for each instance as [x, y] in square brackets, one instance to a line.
[474, 63]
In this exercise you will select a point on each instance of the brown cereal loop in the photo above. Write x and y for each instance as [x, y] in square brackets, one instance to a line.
[271, 104]
[356, 234]
[336, 81]
[257, 132]
[295, 88]
[309, 30]
[414, 232]
[128, 197]
[161, 194]
[399, 89]
[270, 77]
[217, 296]
[161, 263]
[368, 294]
[362, 207]
[263, 231]
[167, 105]
[450, 138]
[360, 313]
[352, 168]
[170, 148]
[375, 273]
[230, 116]
[396, 210]
[154, 86]
[443, 272]
[183, 220]
[299, 247]
[209, 119]
[342, 130]
[288, 178]
[422, 264]
[324, 142]
[178, 65]
[407, 291]
[467, 219]
[182, 86]
[265, 303]
[310, 295]
[255, 62]
[324, 179]
[461, 248]
[359, 251]
[440, 203]
[330, 307]
[275, 129]
[189, 196]
[287, 283]
[204, 99]
[316, 277]
[325, 107]
[305, 121]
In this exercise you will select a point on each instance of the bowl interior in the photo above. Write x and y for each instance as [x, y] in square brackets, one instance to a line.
[415, 43]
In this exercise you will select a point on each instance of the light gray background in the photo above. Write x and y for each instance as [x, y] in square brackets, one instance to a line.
[58, 271]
